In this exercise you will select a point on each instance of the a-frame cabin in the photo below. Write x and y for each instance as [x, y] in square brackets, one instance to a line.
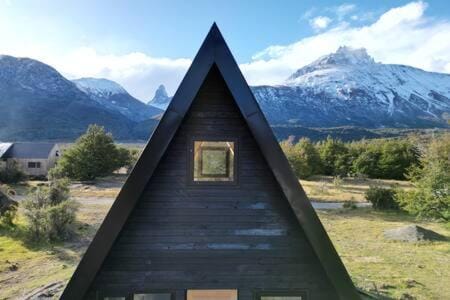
[212, 210]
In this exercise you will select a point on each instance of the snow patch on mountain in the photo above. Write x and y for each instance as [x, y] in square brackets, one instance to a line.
[99, 86]
[349, 88]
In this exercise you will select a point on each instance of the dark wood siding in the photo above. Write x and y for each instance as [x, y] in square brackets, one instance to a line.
[183, 236]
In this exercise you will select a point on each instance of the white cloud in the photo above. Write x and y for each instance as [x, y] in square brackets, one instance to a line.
[402, 35]
[320, 22]
[139, 73]
[344, 9]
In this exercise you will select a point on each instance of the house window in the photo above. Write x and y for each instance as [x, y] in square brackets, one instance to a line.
[34, 165]
[153, 296]
[214, 161]
[281, 295]
[212, 294]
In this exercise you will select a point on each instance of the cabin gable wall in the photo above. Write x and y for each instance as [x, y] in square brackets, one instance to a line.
[195, 236]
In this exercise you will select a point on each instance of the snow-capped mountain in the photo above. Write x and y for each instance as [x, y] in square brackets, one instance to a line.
[349, 88]
[114, 97]
[161, 99]
[37, 102]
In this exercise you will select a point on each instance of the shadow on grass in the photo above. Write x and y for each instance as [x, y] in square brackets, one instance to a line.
[370, 214]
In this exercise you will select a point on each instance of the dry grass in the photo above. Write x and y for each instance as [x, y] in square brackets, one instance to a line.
[324, 189]
[39, 264]
[391, 268]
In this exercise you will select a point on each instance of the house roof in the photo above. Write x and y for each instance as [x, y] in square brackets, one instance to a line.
[214, 51]
[30, 150]
[3, 148]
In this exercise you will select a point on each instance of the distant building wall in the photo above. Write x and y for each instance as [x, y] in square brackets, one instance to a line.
[36, 166]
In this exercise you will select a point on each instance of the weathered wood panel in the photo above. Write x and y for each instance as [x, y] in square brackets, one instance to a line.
[183, 235]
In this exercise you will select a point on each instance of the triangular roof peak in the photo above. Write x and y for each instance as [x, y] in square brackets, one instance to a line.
[213, 51]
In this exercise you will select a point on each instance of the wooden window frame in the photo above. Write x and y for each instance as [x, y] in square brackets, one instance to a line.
[212, 289]
[191, 159]
[257, 294]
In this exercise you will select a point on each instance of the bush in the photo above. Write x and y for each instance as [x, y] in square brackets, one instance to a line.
[93, 155]
[8, 209]
[431, 196]
[49, 212]
[381, 198]
[11, 173]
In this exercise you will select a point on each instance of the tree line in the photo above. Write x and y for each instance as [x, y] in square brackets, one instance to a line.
[382, 159]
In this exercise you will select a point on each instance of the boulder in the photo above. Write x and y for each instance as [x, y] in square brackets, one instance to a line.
[412, 233]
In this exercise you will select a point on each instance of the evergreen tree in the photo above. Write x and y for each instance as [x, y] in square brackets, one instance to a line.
[93, 155]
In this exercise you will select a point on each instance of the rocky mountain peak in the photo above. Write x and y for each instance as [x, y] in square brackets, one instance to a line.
[161, 99]
[343, 57]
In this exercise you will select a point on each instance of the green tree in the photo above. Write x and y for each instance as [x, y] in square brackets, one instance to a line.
[397, 156]
[431, 196]
[93, 155]
[335, 157]
[367, 159]
[303, 157]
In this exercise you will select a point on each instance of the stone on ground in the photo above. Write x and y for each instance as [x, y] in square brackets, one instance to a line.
[412, 233]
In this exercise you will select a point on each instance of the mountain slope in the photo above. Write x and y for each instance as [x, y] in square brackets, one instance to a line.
[36, 102]
[115, 98]
[348, 88]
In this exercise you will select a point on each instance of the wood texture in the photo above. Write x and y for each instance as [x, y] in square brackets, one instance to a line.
[182, 236]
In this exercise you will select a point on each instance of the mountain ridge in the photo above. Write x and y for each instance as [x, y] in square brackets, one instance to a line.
[115, 98]
[342, 89]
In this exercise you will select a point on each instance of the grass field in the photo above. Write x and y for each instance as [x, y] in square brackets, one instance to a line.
[326, 189]
[387, 268]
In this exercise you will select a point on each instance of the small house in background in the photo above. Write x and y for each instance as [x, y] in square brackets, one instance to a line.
[34, 159]
[212, 209]
[4, 147]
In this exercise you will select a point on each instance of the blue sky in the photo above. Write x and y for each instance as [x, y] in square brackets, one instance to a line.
[141, 44]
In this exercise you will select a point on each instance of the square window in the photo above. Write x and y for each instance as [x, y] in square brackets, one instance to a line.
[212, 294]
[281, 295]
[214, 161]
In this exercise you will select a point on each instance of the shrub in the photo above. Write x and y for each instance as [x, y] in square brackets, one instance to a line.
[338, 182]
[11, 173]
[49, 212]
[349, 205]
[8, 209]
[431, 196]
[93, 155]
[381, 198]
